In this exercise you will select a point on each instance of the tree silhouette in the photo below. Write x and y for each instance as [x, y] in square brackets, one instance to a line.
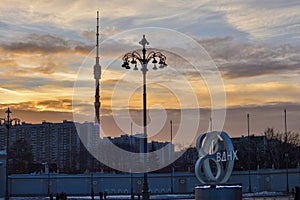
[268, 150]
[278, 144]
[20, 157]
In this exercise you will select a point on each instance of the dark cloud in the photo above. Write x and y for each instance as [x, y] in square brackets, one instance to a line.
[211, 41]
[88, 35]
[51, 44]
[65, 104]
[84, 49]
[51, 65]
[33, 82]
[104, 33]
[22, 47]
[19, 106]
[237, 60]
[242, 70]
[60, 104]
[47, 66]
[34, 43]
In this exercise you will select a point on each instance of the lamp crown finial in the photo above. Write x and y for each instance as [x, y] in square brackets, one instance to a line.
[144, 41]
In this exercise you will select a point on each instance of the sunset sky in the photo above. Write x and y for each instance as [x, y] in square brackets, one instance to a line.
[255, 45]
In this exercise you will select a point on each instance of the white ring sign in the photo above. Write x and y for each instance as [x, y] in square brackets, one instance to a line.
[216, 157]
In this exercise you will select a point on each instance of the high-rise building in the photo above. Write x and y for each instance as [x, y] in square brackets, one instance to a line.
[49, 143]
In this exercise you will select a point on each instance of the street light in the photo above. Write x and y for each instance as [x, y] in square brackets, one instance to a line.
[8, 122]
[133, 58]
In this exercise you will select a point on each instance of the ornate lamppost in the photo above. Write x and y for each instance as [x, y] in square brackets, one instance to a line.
[8, 122]
[133, 58]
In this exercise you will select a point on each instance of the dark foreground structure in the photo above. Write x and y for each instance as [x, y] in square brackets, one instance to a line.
[183, 182]
[219, 192]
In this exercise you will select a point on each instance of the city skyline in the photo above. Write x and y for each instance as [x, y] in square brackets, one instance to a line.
[254, 49]
[64, 144]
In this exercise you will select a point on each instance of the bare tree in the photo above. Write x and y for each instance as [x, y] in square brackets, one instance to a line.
[277, 144]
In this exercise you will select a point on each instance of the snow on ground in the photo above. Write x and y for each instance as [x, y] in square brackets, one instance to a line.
[246, 196]
[116, 197]
[264, 194]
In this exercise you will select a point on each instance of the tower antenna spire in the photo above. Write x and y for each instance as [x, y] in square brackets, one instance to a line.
[97, 77]
[97, 37]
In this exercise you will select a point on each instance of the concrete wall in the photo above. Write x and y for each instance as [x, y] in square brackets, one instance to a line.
[2, 172]
[267, 179]
[262, 180]
[2, 178]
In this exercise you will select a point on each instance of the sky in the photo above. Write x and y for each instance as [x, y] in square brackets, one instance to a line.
[48, 48]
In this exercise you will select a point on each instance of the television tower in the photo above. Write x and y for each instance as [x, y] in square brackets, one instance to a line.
[97, 77]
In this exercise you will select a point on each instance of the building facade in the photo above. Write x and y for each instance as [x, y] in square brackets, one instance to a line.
[65, 146]
[54, 143]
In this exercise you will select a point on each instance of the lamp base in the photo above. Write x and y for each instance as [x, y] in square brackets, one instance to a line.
[145, 195]
[218, 192]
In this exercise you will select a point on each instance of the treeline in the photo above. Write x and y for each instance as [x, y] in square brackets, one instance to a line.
[273, 149]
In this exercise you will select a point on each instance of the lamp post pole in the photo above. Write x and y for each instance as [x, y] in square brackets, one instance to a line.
[131, 150]
[287, 171]
[8, 123]
[249, 172]
[145, 192]
[92, 185]
[48, 189]
[144, 59]
[171, 155]
[286, 152]
[7, 153]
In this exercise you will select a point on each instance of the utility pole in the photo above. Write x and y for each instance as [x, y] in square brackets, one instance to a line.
[171, 156]
[249, 170]
[286, 155]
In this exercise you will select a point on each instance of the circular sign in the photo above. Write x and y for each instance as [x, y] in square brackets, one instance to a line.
[216, 157]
